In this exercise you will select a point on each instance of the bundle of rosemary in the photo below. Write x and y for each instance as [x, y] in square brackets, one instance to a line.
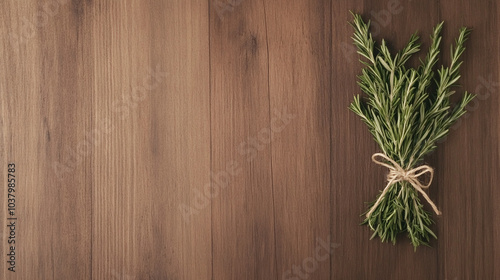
[407, 110]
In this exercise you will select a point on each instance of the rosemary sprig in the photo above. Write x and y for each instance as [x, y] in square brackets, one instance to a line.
[407, 111]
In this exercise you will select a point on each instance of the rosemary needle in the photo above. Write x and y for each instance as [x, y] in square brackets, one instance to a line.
[407, 111]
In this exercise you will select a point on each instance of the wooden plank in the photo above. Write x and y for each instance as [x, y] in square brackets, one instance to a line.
[299, 85]
[352, 146]
[152, 85]
[242, 200]
[183, 162]
[355, 178]
[469, 159]
[46, 108]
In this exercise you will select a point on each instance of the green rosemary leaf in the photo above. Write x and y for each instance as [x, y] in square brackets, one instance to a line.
[407, 111]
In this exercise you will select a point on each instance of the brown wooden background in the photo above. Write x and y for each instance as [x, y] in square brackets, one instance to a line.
[123, 116]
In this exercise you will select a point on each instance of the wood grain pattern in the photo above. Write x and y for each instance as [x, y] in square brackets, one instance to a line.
[470, 231]
[242, 211]
[47, 107]
[153, 86]
[183, 139]
[299, 70]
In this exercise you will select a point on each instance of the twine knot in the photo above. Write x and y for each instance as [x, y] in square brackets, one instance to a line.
[399, 174]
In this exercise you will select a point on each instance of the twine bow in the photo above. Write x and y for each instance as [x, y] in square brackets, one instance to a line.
[398, 174]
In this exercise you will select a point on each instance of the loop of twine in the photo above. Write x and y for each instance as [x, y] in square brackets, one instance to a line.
[398, 174]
